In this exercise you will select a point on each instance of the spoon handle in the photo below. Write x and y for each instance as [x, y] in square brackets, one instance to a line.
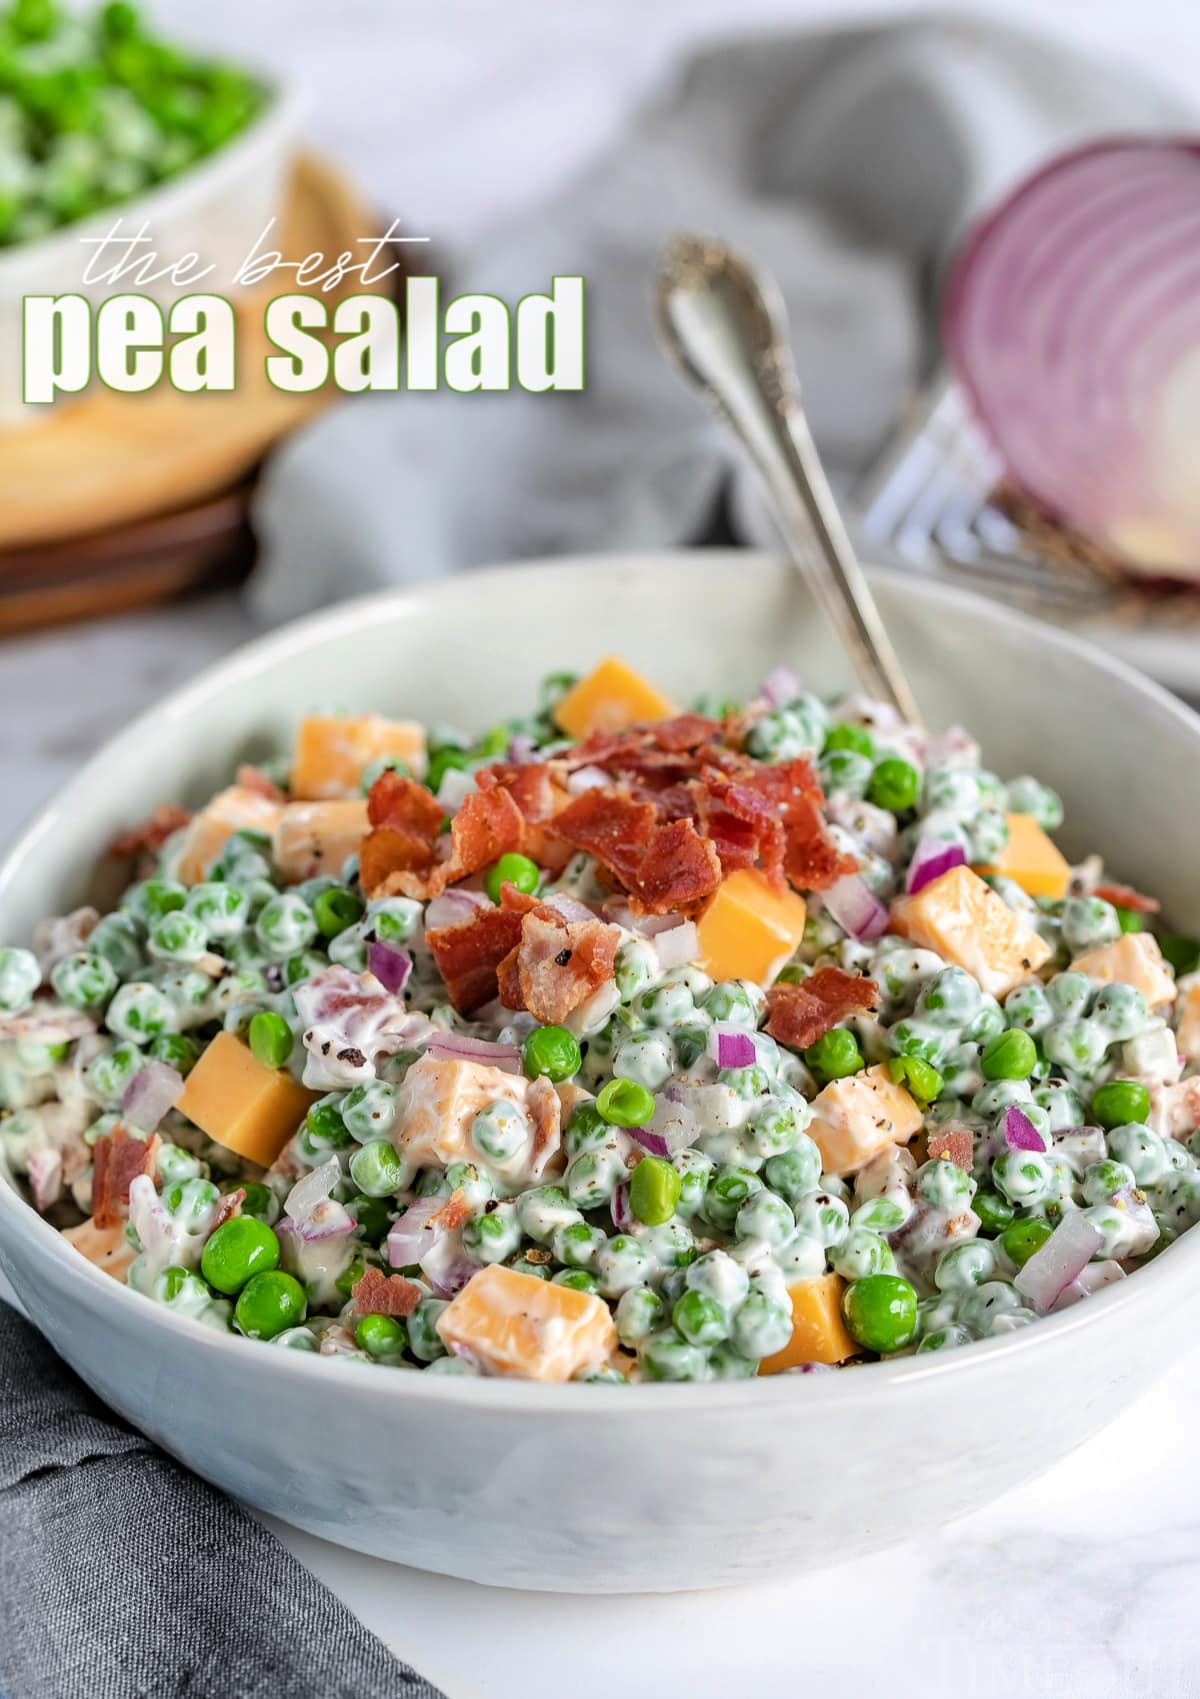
[727, 330]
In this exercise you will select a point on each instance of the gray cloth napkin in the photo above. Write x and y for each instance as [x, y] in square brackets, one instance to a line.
[846, 162]
[124, 1577]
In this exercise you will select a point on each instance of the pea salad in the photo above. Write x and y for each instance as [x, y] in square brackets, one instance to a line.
[617, 1043]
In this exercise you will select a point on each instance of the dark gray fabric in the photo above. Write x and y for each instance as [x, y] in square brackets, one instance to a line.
[123, 1575]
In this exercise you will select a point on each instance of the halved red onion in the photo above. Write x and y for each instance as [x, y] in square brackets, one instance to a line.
[1071, 317]
[587, 779]
[731, 1046]
[411, 1235]
[1063, 1258]
[390, 964]
[856, 908]
[781, 685]
[458, 1047]
[312, 1189]
[622, 1214]
[151, 1092]
[678, 945]
[1020, 1132]
[931, 858]
[452, 908]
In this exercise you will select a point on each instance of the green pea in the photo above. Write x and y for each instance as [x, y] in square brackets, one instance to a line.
[700, 1318]
[1022, 1238]
[381, 1336]
[440, 763]
[269, 1303]
[1182, 953]
[240, 1247]
[835, 1055]
[895, 785]
[153, 898]
[305, 964]
[552, 1052]
[515, 870]
[177, 1050]
[624, 1103]
[1120, 1102]
[880, 1312]
[270, 1038]
[577, 1279]
[376, 1169]
[1011, 1055]
[20, 976]
[994, 1211]
[654, 1189]
[792, 973]
[499, 1130]
[85, 980]
[335, 910]
[845, 736]
[285, 925]
[1129, 920]
[260, 1201]
[373, 1215]
[921, 1078]
[377, 768]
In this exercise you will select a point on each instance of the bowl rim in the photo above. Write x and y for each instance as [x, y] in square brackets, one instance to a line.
[500, 1392]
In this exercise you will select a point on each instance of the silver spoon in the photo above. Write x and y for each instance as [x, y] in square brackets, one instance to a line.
[726, 328]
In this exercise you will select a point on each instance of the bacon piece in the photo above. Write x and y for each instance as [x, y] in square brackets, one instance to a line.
[811, 860]
[251, 778]
[453, 1212]
[953, 1143]
[117, 1160]
[469, 954]
[150, 834]
[744, 827]
[379, 1294]
[798, 1015]
[397, 858]
[537, 789]
[664, 867]
[1124, 896]
[231, 1203]
[558, 964]
[679, 871]
[546, 1111]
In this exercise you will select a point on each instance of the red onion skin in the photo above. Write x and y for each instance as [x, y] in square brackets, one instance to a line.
[390, 965]
[654, 1143]
[1020, 1132]
[411, 1234]
[735, 1050]
[931, 865]
[622, 1214]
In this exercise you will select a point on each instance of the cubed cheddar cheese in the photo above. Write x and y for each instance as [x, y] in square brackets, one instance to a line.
[333, 751]
[1132, 959]
[106, 1247]
[438, 1102]
[250, 1109]
[749, 929]
[963, 920]
[316, 837]
[1031, 859]
[856, 1117]
[1187, 1017]
[609, 699]
[515, 1324]
[206, 834]
[818, 1331]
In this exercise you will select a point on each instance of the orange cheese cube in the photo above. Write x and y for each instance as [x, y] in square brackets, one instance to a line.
[107, 1247]
[1134, 959]
[333, 751]
[962, 919]
[232, 810]
[515, 1324]
[1032, 860]
[316, 837]
[440, 1099]
[1187, 1018]
[856, 1117]
[749, 929]
[241, 1104]
[818, 1331]
[609, 699]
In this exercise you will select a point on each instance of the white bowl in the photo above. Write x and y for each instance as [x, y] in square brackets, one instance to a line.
[217, 209]
[656, 1487]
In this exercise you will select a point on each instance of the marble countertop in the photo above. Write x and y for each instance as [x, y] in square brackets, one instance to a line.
[1083, 1583]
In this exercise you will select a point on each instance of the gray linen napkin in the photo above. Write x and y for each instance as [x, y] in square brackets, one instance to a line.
[124, 1577]
[847, 162]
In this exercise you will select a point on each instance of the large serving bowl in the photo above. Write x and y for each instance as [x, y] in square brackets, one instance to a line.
[655, 1487]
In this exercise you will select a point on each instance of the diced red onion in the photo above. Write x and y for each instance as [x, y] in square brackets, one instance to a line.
[649, 1140]
[521, 748]
[678, 945]
[151, 1092]
[456, 786]
[569, 907]
[674, 1125]
[43, 1169]
[1090, 1279]
[731, 1046]
[390, 965]
[1071, 317]
[1020, 1132]
[446, 1266]
[622, 1214]
[458, 1047]
[327, 1220]
[411, 1236]
[781, 686]
[856, 908]
[1063, 1258]
[313, 1189]
[931, 859]
[587, 779]
[452, 908]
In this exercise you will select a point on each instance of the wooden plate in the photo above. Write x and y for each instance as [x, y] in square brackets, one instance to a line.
[121, 500]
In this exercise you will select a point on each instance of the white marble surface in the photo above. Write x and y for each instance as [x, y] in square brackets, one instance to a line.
[1084, 1583]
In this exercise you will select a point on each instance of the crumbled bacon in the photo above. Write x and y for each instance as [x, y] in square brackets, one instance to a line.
[379, 1294]
[117, 1160]
[150, 834]
[230, 1204]
[537, 790]
[453, 1213]
[953, 1143]
[469, 954]
[403, 853]
[558, 964]
[811, 860]
[546, 1112]
[798, 1015]
[663, 867]
[1124, 896]
[251, 778]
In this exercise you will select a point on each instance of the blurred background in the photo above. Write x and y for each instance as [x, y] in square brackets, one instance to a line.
[525, 139]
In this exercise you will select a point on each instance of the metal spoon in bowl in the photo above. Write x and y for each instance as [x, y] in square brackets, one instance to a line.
[726, 328]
